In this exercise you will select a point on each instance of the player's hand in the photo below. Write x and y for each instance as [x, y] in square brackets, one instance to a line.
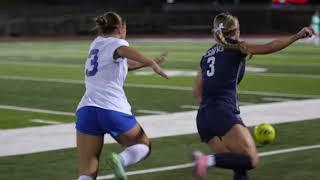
[305, 32]
[162, 57]
[156, 68]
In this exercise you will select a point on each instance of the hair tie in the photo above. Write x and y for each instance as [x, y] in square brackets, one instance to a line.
[219, 28]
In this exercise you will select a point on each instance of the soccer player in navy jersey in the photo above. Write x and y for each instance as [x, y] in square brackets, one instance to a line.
[218, 120]
[104, 108]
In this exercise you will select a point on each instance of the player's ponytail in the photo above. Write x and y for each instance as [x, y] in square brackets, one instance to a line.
[225, 26]
[108, 22]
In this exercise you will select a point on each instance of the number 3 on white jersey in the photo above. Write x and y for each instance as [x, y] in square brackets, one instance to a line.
[93, 62]
[211, 61]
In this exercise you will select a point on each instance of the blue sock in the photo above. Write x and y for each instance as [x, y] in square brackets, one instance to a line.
[233, 161]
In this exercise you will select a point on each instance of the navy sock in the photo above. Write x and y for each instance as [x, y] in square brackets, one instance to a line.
[240, 175]
[233, 161]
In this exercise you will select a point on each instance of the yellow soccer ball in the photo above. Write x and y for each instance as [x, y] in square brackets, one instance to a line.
[264, 134]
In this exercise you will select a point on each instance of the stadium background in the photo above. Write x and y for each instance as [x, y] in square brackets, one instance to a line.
[74, 17]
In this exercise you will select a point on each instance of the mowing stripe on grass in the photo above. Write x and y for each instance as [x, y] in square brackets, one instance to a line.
[256, 63]
[245, 103]
[36, 110]
[163, 87]
[188, 165]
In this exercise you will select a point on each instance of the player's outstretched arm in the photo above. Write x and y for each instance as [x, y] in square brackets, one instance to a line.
[134, 65]
[277, 44]
[135, 55]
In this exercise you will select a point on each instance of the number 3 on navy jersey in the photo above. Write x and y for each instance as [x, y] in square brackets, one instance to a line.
[211, 61]
[93, 62]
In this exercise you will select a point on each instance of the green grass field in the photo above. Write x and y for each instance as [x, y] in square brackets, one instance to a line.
[48, 75]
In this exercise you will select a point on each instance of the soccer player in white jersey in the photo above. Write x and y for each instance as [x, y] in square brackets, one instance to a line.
[104, 107]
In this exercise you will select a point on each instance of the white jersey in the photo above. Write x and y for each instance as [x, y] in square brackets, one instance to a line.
[105, 76]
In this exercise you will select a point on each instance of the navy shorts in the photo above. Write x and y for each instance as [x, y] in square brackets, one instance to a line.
[98, 121]
[216, 121]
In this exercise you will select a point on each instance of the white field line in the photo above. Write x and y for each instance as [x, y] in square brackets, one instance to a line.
[185, 60]
[69, 81]
[43, 121]
[188, 165]
[146, 111]
[62, 136]
[256, 71]
[196, 107]
[276, 99]
[288, 95]
[189, 107]
[36, 110]
[250, 71]
[259, 63]
[42, 64]
[163, 87]
[285, 75]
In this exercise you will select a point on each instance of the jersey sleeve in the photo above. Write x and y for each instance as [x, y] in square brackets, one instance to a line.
[241, 54]
[116, 44]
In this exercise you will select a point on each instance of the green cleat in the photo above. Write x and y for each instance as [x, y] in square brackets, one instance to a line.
[117, 167]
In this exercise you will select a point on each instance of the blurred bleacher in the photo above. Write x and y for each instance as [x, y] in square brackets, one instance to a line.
[74, 17]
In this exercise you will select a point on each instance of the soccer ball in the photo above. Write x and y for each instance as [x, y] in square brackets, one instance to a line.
[264, 134]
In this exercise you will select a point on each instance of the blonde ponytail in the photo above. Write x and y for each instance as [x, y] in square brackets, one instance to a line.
[224, 26]
[107, 23]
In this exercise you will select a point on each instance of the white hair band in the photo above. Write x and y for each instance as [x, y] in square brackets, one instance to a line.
[219, 28]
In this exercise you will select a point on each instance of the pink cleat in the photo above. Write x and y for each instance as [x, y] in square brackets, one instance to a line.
[200, 165]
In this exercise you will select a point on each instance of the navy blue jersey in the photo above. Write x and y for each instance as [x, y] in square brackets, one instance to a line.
[222, 70]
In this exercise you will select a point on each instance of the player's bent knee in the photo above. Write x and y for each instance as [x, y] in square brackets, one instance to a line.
[251, 152]
[253, 157]
[254, 160]
[134, 154]
[149, 150]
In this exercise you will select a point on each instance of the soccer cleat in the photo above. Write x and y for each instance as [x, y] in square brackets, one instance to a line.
[200, 165]
[117, 167]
